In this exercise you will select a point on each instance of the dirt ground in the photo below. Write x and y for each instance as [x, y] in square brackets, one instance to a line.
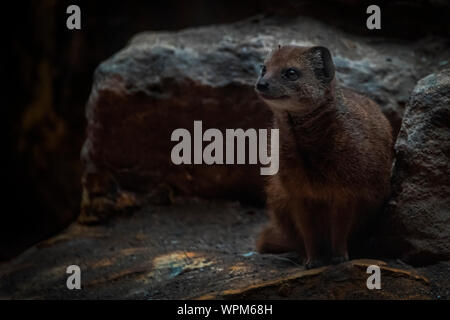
[197, 249]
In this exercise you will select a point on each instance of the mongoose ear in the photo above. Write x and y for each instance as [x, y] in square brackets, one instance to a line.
[322, 63]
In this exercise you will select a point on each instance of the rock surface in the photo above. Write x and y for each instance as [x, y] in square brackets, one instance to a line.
[185, 251]
[419, 212]
[165, 80]
[323, 283]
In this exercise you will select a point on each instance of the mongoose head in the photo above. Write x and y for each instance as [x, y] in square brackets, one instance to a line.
[296, 78]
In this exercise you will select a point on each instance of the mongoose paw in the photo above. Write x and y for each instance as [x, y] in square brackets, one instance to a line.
[339, 259]
[314, 263]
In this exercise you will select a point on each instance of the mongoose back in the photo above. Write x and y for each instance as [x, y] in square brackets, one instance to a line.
[335, 157]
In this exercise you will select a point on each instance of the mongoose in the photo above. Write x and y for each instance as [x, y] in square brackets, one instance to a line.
[335, 157]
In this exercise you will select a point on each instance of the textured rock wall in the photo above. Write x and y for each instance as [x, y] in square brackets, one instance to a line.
[418, 227]
[50, 72]
[165, 80]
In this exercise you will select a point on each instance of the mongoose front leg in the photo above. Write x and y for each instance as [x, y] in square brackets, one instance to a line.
[341, 225]
[305, 223]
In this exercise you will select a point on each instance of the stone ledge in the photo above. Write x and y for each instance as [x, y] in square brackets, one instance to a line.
[184, 251]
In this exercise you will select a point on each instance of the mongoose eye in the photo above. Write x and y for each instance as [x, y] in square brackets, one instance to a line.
[291, 74]
[263, 70]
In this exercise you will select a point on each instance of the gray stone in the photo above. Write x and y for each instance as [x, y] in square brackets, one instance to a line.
[165, 80]
[419, 211]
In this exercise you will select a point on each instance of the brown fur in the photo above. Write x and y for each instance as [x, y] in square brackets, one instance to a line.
[335, 159]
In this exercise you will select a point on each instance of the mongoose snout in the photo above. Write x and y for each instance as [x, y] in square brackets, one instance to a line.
[335, 156]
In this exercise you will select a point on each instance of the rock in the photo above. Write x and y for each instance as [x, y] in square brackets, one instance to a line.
[184, 251]
[419, 210]
[49, 81]
[165, 80]
[346, 281]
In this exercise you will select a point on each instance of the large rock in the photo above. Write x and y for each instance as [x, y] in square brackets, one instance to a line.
[165, 80]
[183, 252]
[419, 212]
[342, 282]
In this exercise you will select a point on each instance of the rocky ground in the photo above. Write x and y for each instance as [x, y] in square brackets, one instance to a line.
[199, 250]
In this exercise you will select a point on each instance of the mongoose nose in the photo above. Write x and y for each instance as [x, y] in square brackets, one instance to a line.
[262, 85]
